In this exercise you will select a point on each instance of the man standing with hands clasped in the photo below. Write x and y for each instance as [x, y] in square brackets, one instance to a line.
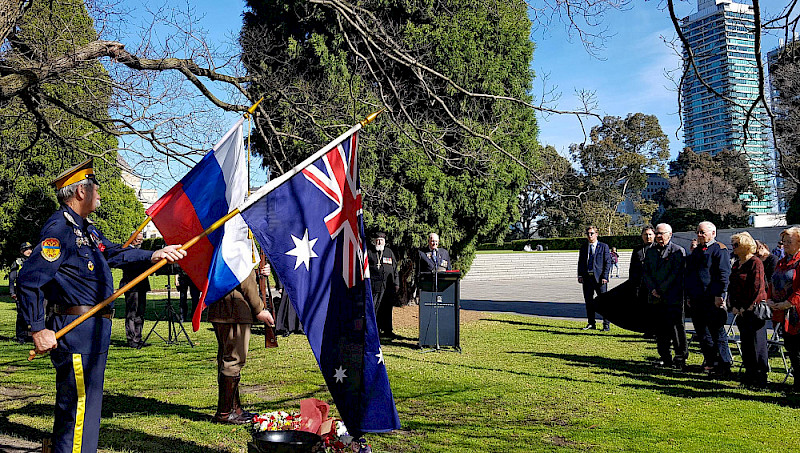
[663, 278]
[708, 271]
[594, 266]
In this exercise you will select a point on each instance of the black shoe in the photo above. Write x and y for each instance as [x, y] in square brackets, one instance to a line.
[679, 364]
[606, 328]
[663, 363]
[721, 371]
[142, 344]
[589, 327]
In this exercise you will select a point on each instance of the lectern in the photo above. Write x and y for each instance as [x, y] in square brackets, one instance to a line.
[439, 303]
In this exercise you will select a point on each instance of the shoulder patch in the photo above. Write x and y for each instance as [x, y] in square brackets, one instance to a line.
[51, 249]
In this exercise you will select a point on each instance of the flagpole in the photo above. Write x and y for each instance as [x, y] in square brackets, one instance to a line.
[136, 280]
[267, 188]
[136, 233]
[272, 185]
[139, 229]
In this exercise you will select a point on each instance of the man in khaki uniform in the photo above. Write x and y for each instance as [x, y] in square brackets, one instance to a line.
[231, 317]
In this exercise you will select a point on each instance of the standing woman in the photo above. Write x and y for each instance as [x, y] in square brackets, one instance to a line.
[784, 292]
[746, 291]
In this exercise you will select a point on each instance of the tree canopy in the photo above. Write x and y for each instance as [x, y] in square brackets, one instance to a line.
[439, 159]
[30, 159]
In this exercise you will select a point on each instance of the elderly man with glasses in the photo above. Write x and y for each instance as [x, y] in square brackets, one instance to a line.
[708, 271]
[594, 266]
[663, 277]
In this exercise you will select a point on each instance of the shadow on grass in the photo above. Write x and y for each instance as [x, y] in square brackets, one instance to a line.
[589, 333]
[115, 438]
[671, 382]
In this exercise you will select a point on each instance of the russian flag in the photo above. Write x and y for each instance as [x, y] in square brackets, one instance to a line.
[214, 187]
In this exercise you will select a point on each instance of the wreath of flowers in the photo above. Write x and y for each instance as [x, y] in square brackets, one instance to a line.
[338, 440]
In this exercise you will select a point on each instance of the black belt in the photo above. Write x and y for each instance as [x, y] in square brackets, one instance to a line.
[77, 310]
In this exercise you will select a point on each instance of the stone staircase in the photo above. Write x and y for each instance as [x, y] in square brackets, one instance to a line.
[532, 265]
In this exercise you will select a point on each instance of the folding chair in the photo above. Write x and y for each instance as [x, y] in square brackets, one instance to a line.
[734, 337]
[775, 341]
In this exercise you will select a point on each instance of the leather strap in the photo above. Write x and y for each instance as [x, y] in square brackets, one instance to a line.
[77, 310]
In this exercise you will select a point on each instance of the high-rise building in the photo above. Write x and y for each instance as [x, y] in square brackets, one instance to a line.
[781, 102]
[721, 37]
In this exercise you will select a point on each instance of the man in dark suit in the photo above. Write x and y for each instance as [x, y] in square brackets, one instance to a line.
[663, 279]
[135, 298]
[708, 271]
[635, 272]
[433, 257]
[594, 265]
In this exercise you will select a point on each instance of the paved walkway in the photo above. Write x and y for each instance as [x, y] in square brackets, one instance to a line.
[558, 297]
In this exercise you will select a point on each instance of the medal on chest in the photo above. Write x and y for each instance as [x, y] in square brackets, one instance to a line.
[97, 241]
[90, 266]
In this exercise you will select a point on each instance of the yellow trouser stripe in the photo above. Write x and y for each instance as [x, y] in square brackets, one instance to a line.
[80, 410]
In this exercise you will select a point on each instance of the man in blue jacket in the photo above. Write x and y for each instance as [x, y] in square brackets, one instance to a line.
[70, 267]
[708, 270]
[594, 265]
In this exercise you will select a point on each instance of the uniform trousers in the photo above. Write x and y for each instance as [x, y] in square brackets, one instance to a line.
[21, 327]
[79, 398]
[670, 331]
[135, 305]
[709, 323]
[232, 343]
[590, 288]
[753, 340]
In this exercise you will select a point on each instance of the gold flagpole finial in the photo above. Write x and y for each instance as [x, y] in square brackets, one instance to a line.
[371, 117]
[253, 107]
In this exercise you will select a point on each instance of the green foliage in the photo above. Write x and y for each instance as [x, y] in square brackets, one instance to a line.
[465, 191]
[32, 153]
[614, 167]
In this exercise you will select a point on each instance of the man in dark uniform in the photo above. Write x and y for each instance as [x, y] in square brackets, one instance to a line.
[663, 278]
[70, 268]
[433, 257]
[232, 317]
[135, 298]
[385, 281]
[21, 328]
[708, 269]
[594, 266]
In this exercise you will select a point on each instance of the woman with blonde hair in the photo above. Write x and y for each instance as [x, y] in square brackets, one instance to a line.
[784, 296]
[746, 292]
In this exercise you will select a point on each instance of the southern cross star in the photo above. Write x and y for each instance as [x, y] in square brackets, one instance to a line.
[303, 250]
[379, 355]
[340, 374]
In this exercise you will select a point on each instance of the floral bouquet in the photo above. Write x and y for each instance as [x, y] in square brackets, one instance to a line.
[313, 417]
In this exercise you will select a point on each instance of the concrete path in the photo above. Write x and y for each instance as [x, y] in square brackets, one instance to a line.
[558, 297]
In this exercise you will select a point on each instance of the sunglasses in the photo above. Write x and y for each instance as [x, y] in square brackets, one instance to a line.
[735, 244]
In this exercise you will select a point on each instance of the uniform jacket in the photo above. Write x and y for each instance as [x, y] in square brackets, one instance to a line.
[71, 265]
[425, 259]
[383, 271]
[663, 271]
[239, 306]
[708, 269]
[601, 266]
[12, 276]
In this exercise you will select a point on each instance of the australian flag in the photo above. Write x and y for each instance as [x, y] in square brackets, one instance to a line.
[312, 228]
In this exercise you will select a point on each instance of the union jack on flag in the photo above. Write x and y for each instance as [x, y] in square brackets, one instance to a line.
[343, 189]
[312, 228]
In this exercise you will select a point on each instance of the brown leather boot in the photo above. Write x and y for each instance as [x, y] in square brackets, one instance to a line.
[47, 445]
[237, 404]
[226, 412]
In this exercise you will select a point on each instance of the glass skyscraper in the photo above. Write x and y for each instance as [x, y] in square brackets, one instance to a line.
[721, 36]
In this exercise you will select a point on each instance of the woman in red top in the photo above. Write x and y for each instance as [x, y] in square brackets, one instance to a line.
[784, 294]
[747, 289]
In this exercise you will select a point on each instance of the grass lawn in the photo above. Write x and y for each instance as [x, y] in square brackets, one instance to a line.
[522, 384]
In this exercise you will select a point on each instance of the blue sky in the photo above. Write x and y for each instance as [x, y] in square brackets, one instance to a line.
[627, 75]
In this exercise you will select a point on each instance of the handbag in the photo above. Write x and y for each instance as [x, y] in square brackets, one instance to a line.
[762, 311]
